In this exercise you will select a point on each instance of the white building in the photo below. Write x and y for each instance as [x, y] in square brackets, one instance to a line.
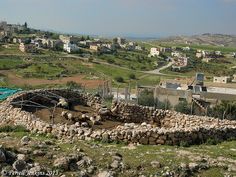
[222, 79]
[175, 54]
[138, 47]
[154, 52]
[186, 48]
[234, 54]
[218, 53]
[68, 47]
[201, 54]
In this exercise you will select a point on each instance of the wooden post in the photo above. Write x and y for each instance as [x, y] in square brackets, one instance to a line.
[192, 107]
[22, 99]
[155, 96]
[166, 102]
[129, 91]
[117, 93]
[126, 94]
[137, 92]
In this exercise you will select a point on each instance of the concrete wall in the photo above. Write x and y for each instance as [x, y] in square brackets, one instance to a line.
[163, 94]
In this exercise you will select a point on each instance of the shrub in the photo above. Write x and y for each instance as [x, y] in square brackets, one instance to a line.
[13, 128]
[132, 76]
[184, 144]
[146, 98]
[212, 141]
[183, 107]
[119, 79]
[110, 61]
[73, 85]
[163, 105]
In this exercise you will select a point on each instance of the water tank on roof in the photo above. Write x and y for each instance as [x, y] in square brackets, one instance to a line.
[199, 79]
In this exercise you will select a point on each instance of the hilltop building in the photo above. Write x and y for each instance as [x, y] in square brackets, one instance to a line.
[68, 39]
[94, 47]
[180, 62]
[175, 54]
[154, 52]
[68, 47]
[28, 48]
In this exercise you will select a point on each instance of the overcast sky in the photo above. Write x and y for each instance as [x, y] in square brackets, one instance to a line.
[142, 18]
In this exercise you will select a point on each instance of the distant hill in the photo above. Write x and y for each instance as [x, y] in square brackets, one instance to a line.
[204, 39]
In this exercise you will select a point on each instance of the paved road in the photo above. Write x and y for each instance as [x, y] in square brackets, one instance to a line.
[158, 71]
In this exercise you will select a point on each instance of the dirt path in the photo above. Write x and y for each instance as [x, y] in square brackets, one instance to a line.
[19, 81]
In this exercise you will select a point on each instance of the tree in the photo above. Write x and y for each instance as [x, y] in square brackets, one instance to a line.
[82, 38]
[25, 25]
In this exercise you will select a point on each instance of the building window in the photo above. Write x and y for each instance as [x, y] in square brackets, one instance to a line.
[182, 99]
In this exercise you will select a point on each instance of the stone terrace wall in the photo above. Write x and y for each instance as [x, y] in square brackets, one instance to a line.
[135, 113]
[172, 129]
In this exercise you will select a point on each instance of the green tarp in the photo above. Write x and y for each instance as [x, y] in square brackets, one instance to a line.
[6, 92]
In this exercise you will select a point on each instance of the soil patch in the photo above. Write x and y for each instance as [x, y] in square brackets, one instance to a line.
[19, 81]
[77, 111]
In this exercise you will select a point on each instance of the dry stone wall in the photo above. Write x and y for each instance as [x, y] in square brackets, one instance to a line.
[135, 113]
[142, 125]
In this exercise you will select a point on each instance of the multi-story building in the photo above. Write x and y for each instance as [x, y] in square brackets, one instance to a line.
[154, 52]
[94, 47]
[68, 47]
[68, 39]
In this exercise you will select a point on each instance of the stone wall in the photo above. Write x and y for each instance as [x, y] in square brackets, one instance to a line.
[169, 127]
[135, 113]
[72, 96]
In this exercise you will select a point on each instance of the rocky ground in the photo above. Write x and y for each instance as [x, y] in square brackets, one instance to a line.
[35, 154]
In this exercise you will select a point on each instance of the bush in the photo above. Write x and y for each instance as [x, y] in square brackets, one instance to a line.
[212, 141]
[184, 144]
[73, 85]
[146, 98]
[132, 76]
[119, 79]
[183, 107]
[11, 128]
[111, 61]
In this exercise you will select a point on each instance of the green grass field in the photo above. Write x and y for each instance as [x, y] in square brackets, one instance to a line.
[131, 60]
[41, 70]
[10, 62]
